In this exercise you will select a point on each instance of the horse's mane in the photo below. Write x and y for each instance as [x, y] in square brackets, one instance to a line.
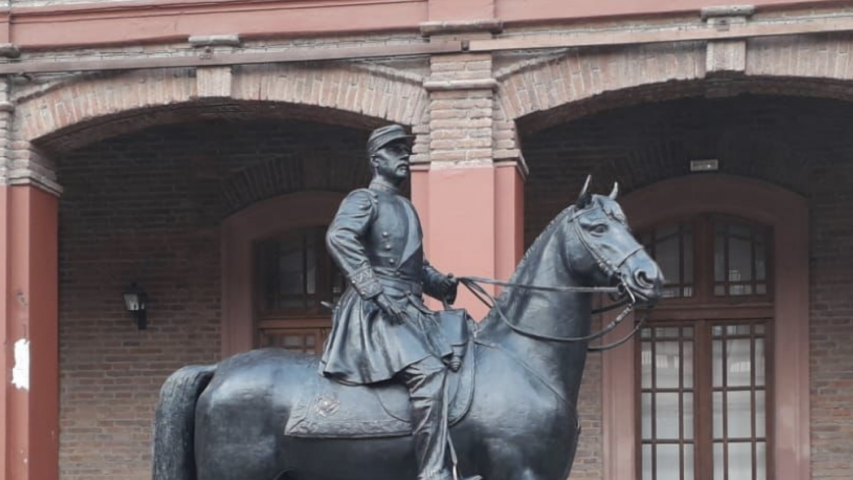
[541, 238]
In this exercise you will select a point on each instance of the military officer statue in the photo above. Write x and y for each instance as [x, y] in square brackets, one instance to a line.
[381, 329]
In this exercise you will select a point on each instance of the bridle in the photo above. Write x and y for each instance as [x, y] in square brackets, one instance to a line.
[626, 296]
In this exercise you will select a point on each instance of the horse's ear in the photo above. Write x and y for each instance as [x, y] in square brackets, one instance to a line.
[584, 197]
[615, 192]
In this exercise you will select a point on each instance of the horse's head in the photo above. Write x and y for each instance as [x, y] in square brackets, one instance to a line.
[603, 251]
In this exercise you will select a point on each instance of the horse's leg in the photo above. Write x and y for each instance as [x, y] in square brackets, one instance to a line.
[231, 458]
[237, 437]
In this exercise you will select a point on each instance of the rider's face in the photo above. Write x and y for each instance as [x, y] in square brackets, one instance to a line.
[392, 161]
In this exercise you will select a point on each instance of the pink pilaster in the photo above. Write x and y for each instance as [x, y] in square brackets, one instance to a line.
[29, 333]
[473, 221]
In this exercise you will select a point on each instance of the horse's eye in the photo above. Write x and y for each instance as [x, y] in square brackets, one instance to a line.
[599, 229]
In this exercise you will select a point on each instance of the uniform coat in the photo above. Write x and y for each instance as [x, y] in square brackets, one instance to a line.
[377, 229]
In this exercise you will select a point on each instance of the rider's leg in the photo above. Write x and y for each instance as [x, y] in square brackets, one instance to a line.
[425, 381]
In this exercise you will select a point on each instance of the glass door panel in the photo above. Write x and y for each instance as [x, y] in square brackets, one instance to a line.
[667, 420]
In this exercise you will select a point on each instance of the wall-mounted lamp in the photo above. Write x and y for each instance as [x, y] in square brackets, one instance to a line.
[135, 299]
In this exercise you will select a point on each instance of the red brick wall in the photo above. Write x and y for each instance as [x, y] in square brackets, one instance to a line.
[831, 362]
[146, 208]
[799, 144]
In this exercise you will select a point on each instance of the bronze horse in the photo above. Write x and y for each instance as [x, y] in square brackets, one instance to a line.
[226, 421]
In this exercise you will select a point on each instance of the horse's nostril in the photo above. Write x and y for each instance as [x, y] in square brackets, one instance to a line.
[643, 279]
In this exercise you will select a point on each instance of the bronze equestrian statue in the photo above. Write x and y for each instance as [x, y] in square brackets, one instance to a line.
[388, 398]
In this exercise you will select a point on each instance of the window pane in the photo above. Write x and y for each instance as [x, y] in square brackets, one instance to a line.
[739, 414]
[687, 416]
[646, 365]
[760, 418]
[717, 364]
[739, 329]
[761, 461]
[666, 255]
[687, 360]
[738, 362]
[759, 361]
[760, 262]
[669, 332]
[647, 462]
[718, 415]
[735, 290]
[666, 415]
[668, 465]
[688, 462]
[719, 462]
[740, 260]
[292, 273]
[740, 461]
[290, 268]
[646, 412]
[672, 248]
[667, 362]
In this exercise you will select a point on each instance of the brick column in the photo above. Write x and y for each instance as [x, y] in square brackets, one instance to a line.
[472, 206]
[29, 404]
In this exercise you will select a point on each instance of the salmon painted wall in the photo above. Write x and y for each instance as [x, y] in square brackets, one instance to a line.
[36, 25]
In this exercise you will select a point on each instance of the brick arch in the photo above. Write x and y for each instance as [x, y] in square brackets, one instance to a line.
[559, 88]
[281, 177]
[89, 108]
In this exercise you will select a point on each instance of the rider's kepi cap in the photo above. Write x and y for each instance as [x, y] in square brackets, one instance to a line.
[383, 136]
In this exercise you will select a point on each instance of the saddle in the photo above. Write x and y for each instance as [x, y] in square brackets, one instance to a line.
[329, 409]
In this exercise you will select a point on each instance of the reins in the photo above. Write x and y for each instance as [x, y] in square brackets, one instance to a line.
[472, 284]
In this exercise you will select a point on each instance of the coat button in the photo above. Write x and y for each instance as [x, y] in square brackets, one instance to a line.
[392, 261]
[385, 234]
[387, 246]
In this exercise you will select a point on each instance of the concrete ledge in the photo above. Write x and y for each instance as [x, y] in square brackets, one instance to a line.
[449, 85]
[491, 25]
[18, 177]
[7, 107]
[201, 41]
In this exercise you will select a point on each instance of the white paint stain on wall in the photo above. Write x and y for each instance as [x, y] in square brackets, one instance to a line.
[21, 370]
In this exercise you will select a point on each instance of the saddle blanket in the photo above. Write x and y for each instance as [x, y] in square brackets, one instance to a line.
[329, 409]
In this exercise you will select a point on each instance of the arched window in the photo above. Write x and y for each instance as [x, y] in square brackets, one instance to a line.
[297, 282]
[703, 382]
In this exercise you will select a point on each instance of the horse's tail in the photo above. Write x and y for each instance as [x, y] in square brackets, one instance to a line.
[174, 423]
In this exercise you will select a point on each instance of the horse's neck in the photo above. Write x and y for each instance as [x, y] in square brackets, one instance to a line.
[558, 314]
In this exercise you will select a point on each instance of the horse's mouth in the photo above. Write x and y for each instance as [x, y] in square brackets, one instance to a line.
[640, 296]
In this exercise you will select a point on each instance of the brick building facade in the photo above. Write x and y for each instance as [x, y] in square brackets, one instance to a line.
[159, 142]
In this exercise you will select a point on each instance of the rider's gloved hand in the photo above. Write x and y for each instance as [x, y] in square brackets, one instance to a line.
[392, 311]
[449, 286]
